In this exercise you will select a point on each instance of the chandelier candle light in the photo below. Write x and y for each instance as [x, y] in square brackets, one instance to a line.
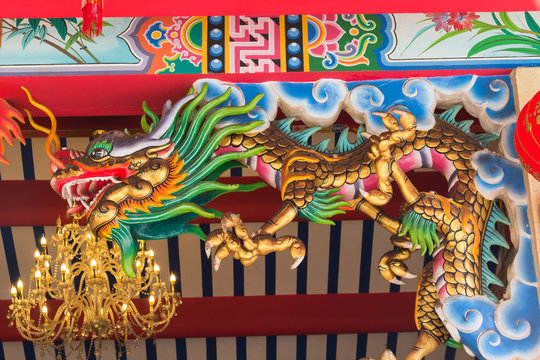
[95, 296]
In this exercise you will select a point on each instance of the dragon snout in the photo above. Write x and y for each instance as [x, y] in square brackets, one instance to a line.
[65, 156]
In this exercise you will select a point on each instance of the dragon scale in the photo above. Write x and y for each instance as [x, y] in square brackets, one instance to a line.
[151, 186]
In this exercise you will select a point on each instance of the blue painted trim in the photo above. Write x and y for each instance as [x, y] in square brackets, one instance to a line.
[151, 353]
[174, 261]
[361, 345]
[181, 349]
[331, 346]
[238, 278]
[301, 270]
[120, 351]
[365, 257]
[450, 353]
[211, 349]
[270, 274]
[89, 351]
[11, 255]
[28, 160]
[236, 172]
[241, 348]
[30, 352]
[391, 341]
[38, 232]
[271, 348]
[206, 266]
[301, 347]
[59, 353]
[333, 261]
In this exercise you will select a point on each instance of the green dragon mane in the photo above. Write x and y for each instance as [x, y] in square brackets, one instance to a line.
[194, 139]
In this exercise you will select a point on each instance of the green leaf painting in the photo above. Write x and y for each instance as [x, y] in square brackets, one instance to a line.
[519, 34]
[62, 34]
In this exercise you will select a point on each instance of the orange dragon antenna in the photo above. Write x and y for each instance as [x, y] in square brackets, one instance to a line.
[8, 126]
[51, 132]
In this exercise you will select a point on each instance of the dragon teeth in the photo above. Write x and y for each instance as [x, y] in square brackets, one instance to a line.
[85, 204]
[70, 190]
[93, 188]
[86, 190]
[81, 188]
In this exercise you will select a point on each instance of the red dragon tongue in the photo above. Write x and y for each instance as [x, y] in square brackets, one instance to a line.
[75, 210]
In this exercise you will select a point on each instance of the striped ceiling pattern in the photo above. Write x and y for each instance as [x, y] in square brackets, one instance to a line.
[341, 262]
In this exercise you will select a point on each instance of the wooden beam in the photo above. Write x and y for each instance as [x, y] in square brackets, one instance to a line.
[276, 315]
[33, 202]
[122, 95]
[118, 8]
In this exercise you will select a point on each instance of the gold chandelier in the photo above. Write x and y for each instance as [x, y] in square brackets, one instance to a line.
[94, 298]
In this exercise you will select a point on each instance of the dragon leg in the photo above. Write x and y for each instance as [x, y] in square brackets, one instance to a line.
[407, 188]
[247, 248]
[286, 213]
[431, 328]
[365, 206]
[381, 153]
[391, 263]
[425, 344]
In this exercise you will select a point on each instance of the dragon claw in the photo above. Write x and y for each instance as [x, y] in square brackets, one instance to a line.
[224, 226]
[408, 275]
[388, 355]
[208, 248]
[296, 262]
[397, 282]
[392, 265]
[233, 239]
[217, 263]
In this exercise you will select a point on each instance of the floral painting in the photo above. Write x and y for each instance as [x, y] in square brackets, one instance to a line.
[339, 42]
[494, 34]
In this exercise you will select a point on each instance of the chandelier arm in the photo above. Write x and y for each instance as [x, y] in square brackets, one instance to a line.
[97, 297]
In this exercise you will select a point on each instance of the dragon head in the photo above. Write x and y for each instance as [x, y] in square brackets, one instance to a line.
[151, 185]
[109, 159]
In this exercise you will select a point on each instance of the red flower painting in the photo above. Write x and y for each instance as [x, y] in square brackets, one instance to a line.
[514, 33]
[462, 20]
[441, 20]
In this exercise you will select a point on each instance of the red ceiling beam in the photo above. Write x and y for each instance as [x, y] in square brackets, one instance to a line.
[116, 8]
[122, 95]
[33, 202]
[279, 315]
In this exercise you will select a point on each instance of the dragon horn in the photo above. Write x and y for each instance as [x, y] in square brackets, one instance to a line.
[51, 132]
[407, 119]
[168, 116]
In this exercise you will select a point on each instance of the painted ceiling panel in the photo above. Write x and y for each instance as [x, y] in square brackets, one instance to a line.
[342, 259]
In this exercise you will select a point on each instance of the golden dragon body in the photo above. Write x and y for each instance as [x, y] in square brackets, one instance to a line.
[151, 186]
[457, 223]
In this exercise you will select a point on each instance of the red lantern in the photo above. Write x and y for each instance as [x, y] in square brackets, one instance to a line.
[92, 17]
[527, 136]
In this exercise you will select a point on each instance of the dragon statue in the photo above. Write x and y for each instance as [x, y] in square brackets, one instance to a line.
[153, 184]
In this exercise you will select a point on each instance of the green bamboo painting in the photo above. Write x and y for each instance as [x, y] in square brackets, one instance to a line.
[62, 34]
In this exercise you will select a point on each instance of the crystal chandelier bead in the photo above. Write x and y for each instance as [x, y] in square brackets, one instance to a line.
[81, 293]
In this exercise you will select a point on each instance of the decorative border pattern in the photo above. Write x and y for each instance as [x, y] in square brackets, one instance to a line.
[286, 43]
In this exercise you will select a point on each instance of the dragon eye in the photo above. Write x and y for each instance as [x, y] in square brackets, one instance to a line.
[99, 153]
